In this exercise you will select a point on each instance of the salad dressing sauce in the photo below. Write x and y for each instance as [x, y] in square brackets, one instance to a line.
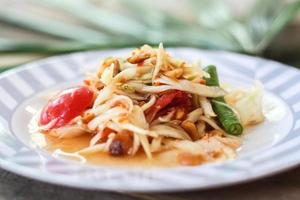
[64, 148]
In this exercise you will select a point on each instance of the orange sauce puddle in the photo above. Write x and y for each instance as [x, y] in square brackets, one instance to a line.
[72, 145]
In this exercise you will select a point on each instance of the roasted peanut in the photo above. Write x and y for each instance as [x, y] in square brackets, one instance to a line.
[139, 57]
[175, 73]
[215, 133]
[180, 114]
[191, 129]
[190, 159]
[87, 117]
[108, 61]
[216, 154]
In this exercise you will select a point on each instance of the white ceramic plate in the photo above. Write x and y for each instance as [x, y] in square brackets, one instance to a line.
[268, 148]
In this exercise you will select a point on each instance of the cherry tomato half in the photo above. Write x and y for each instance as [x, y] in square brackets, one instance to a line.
[66, 106]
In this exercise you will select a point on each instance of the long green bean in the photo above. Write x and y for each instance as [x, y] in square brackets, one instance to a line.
[225, 114]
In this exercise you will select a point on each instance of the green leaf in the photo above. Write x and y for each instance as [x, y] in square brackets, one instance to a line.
[53, 27]
[3, 69]
[215, 17]
[212, 13]
[153, 16]
[12, 46]
[102, 18]
[212, 25]
[251, 34]
[268, 18]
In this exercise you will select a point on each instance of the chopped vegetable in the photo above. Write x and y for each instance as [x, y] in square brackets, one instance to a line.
[227, 118]
[226, 115]
[190, 87]
[249, 105]
[66, 106]
[167, 102]
[153, 105]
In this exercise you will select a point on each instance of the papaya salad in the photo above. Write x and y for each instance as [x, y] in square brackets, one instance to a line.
[150, 102]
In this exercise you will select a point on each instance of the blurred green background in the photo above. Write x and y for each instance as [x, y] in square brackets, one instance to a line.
[33, 29]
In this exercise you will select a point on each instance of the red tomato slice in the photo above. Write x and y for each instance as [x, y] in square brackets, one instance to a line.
[66, 106]
[167, 101]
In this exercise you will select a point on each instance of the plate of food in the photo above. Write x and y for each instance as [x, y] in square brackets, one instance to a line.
[150, 119]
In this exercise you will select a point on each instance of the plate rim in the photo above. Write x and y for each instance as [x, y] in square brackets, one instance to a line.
[5, 164]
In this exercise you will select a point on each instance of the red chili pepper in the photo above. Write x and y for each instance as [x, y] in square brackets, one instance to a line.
[168, 101]
[66, 106]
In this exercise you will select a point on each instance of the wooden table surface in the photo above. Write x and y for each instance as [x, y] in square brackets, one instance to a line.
[284, 186]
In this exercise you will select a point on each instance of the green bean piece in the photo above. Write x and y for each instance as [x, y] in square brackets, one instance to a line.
[225, 114]
[227, 118]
